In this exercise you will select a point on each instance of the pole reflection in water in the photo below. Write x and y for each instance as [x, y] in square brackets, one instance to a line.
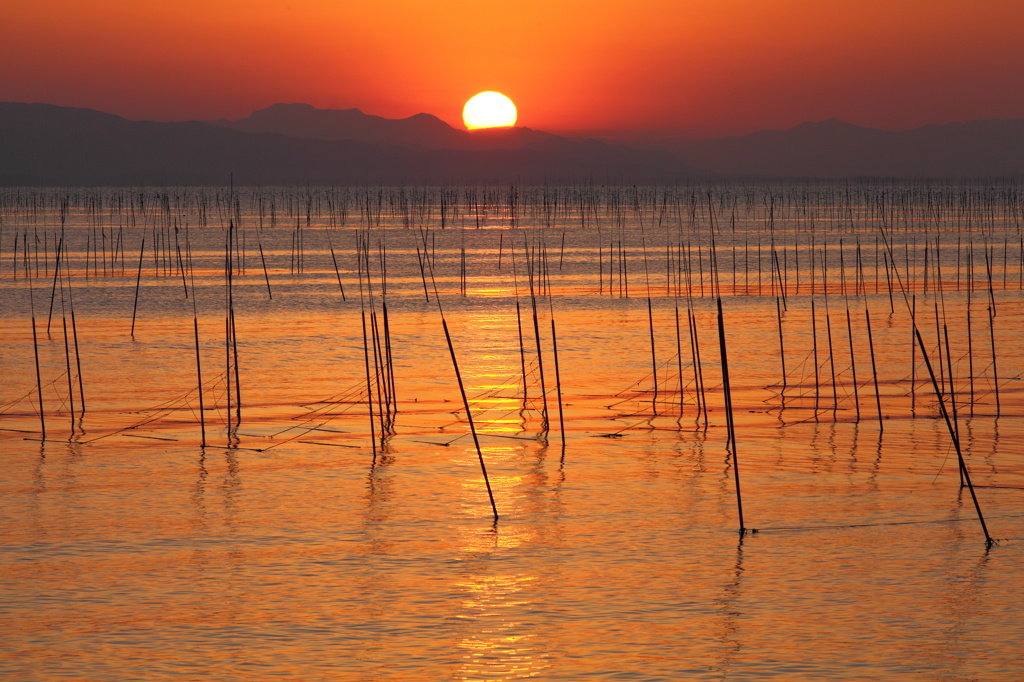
[729, 634]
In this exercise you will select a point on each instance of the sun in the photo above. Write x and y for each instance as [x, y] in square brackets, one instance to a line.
[489, 110]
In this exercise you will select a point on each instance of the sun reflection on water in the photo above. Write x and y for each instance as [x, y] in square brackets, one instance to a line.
[499, 635]
[499, 643]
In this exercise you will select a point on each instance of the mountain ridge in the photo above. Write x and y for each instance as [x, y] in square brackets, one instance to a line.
[304, 120]
[837, 149]
[298, 143]
[47, 144]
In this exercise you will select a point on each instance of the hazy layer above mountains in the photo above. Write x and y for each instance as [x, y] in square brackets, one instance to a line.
[298, 143]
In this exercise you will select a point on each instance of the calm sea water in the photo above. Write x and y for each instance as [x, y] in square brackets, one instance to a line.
[298, 544]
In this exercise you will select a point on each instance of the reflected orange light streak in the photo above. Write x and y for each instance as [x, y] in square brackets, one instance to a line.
[490, 291]
[501, 645]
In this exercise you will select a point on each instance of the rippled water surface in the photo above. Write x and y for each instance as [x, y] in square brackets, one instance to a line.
[298, 544]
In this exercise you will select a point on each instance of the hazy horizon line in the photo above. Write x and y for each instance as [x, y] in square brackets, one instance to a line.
[614, 133]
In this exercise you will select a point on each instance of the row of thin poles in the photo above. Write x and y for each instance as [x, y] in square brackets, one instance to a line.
[541, 279]
[544, 282]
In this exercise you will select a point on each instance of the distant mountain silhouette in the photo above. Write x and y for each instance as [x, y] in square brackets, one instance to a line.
[422, 131]
[305, 120]
[834, 149]
[42, 144]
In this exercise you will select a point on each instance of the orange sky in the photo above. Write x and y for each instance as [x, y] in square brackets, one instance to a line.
[697, 67]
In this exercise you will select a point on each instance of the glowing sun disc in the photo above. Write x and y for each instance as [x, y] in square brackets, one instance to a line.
[489, 110]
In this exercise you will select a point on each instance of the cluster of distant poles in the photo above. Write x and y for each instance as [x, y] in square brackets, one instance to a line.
[695, 263]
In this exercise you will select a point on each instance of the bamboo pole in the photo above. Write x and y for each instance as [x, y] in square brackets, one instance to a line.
[465, 399]
[35, 350]
[989, 541]
[874, 372]
[138, 281]
[729, 415]
[558, 384]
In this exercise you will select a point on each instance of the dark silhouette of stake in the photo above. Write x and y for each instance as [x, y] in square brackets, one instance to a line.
[522, 350]
[679, 360]
[995, 370]
[913, 348]
[266, 277]
[853, 364]
[953, 436]
[536, 332]
[654, 360]
[952, 391]
[369, 386]
[782, 348]
[462, 391]
[199, 368]
[874, 370]
[383, 400]
[831, 362]
[698, 369]
[199, 378]
[423, 276]
[181, 265]
[393, 406]
[366, 356]
[519, 327]
[938, 345]
[337, 272]
[238, 382]
[138, 281]
[78, 358]
[469, 415]
[53, 291]
[970, 354]
[67, 364]
[558, 384]
[728, 414]
[74, 339]
[817, 381]
[227, 328]
[35, 349]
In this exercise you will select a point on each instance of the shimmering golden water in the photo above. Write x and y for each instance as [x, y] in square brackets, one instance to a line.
[287, 549]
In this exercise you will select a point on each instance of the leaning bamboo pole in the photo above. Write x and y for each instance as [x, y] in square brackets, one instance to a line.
[465, 399]
[730, 423]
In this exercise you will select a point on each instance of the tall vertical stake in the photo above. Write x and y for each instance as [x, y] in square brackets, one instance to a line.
[954, 436]
[138, 281]
[199, 377]
[654, 360]
[728, 415]
[874, 370]
[35, 349]
[558, 384]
